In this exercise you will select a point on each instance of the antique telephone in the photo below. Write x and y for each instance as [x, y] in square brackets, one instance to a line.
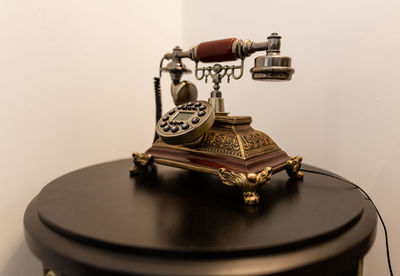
[201, 136]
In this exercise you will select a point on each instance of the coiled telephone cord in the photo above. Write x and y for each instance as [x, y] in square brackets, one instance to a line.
[157, 90]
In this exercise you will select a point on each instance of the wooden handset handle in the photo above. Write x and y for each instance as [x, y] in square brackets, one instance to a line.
[216, 51]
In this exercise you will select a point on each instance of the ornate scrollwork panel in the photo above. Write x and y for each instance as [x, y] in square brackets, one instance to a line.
[257, 142]
[221, 142]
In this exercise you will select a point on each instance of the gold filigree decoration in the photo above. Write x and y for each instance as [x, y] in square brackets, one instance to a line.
[227, 139]
[140, 162]
[257, 142]
[248, 183]
[293, 167]
[221, 142]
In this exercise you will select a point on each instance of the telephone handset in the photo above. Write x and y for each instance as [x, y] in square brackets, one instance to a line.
[201, 136]
[273, 66]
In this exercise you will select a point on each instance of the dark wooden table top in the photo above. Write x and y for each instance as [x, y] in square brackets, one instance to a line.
[100, 221]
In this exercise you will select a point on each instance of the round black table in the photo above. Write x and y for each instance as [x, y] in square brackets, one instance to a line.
[168, 221]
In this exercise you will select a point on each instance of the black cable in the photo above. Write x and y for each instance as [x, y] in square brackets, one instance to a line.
[157, 90]
[376, 209]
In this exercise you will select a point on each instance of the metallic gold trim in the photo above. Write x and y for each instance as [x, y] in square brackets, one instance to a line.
[248, 183]
[293, 167]
[360, 269]
[50, 273]
[161, 144]
[140, 162]
[233, 119]
[192, 167]
[240, 141]
[184, 166]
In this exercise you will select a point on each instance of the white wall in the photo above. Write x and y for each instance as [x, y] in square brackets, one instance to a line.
[76, 89]
[75, 78]
[341, 109]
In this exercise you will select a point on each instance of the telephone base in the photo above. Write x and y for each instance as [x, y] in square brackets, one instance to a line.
[231, 149]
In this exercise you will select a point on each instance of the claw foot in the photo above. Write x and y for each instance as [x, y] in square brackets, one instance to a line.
[248, 183]
[251, 198]
[293, 167]
[140, 162]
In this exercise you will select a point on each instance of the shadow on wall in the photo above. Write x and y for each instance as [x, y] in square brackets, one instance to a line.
[22, 262]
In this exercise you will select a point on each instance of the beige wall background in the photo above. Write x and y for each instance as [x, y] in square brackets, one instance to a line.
[76, 89]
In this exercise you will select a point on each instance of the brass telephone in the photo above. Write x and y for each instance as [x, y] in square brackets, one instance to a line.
[201, 136]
